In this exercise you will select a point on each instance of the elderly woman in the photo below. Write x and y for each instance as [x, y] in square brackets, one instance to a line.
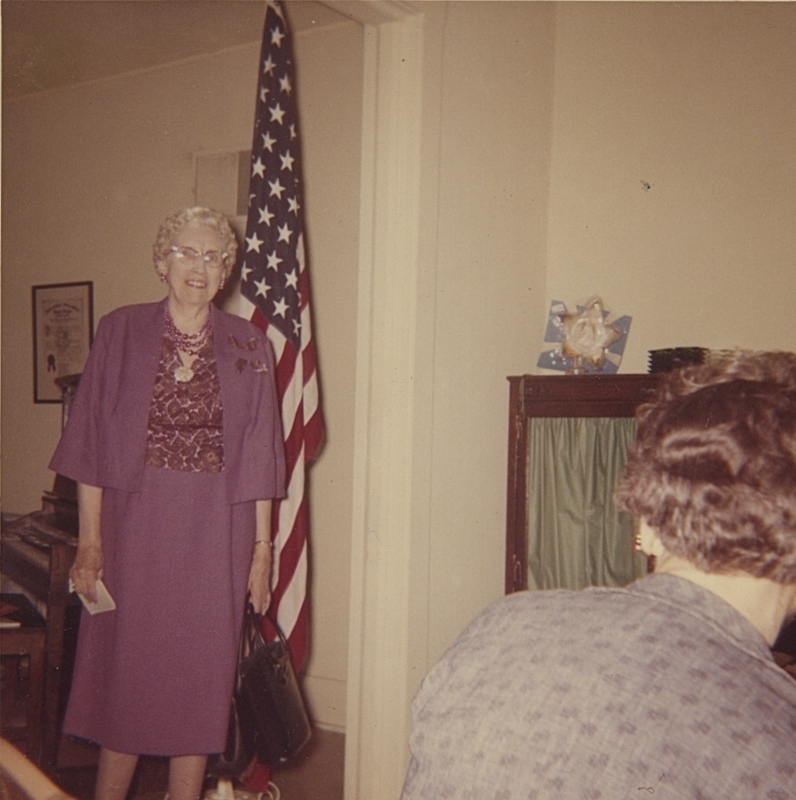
[666, 687]
[175, 443]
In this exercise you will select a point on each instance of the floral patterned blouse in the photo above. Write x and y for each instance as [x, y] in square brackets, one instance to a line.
[186, 428]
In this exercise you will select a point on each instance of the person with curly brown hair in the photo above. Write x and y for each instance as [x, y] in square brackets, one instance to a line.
[667, 686]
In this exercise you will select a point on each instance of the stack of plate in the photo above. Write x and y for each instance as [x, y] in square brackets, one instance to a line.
[676, 357]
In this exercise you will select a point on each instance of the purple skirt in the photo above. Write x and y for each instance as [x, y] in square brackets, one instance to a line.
[155, 676]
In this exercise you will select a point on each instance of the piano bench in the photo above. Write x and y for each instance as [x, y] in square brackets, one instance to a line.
[22, 634]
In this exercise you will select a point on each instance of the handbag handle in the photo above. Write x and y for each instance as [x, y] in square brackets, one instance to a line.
[252, 633]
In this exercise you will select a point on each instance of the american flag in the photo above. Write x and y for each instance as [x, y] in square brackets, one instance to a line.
[275, 296]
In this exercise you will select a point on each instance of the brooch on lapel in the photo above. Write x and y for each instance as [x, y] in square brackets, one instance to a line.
[250, 345]
[242, 363]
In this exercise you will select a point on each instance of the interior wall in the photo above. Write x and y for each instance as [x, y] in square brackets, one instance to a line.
[579, 230]
[428, 557]
[496, 69]
[444, 319]
[673, 167]
[88, 175]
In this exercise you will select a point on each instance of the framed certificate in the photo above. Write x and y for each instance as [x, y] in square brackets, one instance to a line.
[63, 328]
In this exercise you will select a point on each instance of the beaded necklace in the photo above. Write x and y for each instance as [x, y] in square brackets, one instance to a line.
[190, 343]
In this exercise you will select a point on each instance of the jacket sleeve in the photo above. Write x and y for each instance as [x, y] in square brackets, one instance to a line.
[77, 453]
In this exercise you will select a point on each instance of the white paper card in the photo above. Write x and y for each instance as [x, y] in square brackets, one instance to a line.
[104, 600]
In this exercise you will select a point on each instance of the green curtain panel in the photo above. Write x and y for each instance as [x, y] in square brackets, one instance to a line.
[576, 535]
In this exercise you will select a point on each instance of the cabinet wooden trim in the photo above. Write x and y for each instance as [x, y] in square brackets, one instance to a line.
[555, 396]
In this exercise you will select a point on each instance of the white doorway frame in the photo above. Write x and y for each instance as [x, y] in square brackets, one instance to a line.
[379, 686]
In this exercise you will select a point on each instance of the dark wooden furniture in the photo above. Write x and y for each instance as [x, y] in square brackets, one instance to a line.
[37, 555]
[25, 640]
[555, 396]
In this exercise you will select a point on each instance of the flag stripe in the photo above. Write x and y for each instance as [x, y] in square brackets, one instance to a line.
[289, 558]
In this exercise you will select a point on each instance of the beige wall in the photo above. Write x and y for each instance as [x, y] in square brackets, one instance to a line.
[89, 173]
[427, 548]
[698, 100]
[530, 149]
[490, 189]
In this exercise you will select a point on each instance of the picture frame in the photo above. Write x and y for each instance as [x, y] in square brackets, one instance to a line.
[63, 329]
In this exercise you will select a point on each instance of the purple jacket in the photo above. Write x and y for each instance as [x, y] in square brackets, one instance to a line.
[104, 442]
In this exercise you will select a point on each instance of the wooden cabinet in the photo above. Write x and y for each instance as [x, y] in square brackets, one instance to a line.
[534, 396]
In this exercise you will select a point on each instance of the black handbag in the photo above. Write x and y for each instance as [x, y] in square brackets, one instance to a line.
[268, 720]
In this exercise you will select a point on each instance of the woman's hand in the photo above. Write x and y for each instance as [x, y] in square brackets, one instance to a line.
[87, 570]
[260, 578]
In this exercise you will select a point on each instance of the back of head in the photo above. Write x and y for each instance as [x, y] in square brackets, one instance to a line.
[713, 469]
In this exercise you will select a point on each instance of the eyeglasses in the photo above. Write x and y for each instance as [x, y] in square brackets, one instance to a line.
[212, 258]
